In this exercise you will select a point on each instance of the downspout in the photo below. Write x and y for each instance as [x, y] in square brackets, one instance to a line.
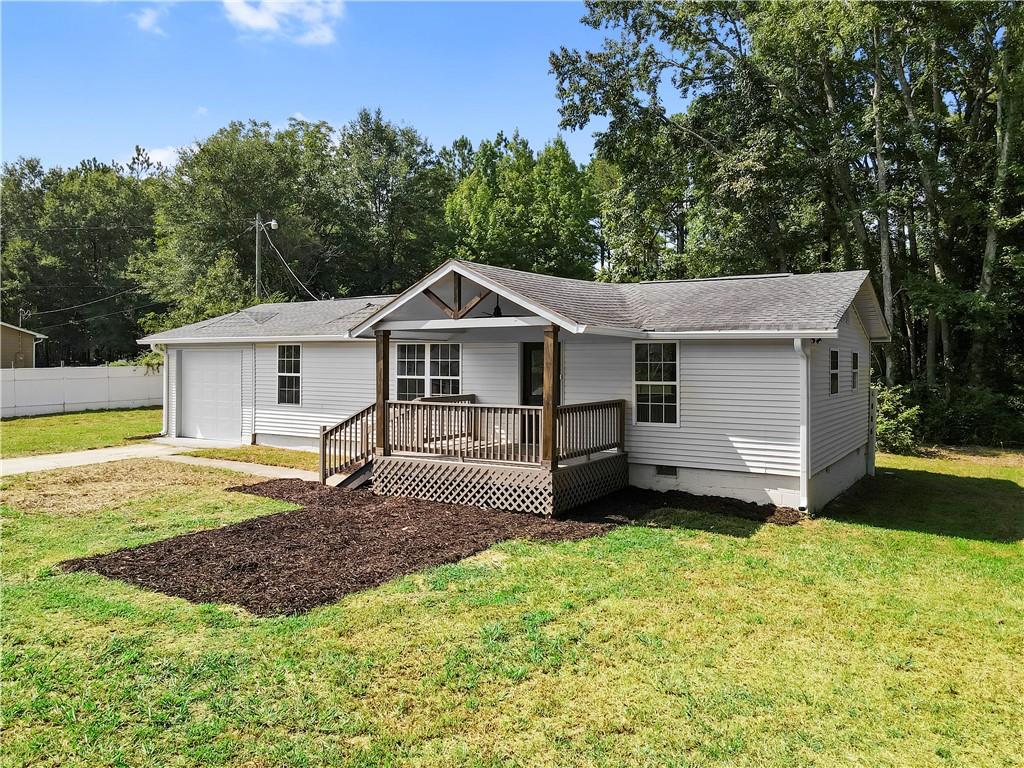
[802, 349]
[252, 397]
[166, 426]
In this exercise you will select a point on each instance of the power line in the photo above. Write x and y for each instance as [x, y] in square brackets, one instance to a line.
[172, 224]
[303, 285]
[97, 317]
[119, 293]
[85, 304]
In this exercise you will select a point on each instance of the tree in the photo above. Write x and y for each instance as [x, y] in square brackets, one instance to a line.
[525, 211]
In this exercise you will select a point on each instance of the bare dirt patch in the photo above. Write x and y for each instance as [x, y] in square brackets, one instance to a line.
[975, 454]
[80, 490]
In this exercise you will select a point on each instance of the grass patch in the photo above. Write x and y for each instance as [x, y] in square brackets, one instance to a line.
[887, 632]
[263, 454]
[57, 433]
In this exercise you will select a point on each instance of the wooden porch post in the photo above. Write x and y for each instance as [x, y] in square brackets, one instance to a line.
[383, 346]
[552, 389]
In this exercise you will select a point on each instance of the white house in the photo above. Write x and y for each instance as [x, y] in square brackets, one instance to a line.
[504, 388]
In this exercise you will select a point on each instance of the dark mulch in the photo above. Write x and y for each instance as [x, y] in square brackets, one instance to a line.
[630, 504]
[341, 542]
[346, 541]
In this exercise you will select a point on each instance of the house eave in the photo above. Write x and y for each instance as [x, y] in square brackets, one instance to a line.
[151, 340]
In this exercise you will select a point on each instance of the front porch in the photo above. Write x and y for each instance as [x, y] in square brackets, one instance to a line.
[432, 434]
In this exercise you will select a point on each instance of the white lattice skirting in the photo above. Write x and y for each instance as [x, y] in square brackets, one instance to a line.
[510, 487]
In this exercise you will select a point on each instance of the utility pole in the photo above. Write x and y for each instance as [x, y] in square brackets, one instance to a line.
[259, 263]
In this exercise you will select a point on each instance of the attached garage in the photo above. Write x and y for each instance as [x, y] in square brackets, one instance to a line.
[210, 394]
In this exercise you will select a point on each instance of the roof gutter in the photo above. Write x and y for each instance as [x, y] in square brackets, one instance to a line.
[801, 333]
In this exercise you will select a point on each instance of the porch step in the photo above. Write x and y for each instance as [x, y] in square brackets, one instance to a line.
[354, 479]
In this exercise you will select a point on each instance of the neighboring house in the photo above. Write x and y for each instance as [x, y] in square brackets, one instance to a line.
[509, 389]
[18, 346]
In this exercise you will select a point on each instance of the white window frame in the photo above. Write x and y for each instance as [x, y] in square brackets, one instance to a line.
[854, 370]
[426, 378]
[679, 390]
[431, 378]
[277, 378]
[833, 371]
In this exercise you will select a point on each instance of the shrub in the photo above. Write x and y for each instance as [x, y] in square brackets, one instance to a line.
[898, 424]
[970, 415]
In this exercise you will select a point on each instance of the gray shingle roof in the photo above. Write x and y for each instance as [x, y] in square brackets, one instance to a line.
[755, 302]
[298, 318]
[749, 303]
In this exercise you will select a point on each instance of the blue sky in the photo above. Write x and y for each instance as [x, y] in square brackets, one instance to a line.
[93, 79]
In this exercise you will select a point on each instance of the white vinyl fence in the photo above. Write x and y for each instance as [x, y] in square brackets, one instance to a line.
[30, 391]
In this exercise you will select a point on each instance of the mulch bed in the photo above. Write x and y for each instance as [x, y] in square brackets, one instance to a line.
[346, 541]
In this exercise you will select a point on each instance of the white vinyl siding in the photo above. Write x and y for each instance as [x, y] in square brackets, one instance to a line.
[337, 381]
[739, 403]
[247, 393]
[838, 422]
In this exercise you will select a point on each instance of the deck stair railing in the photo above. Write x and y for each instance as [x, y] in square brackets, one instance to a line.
[348, 444]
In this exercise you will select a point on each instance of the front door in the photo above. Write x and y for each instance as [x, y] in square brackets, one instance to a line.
[531, 388]
[532, 374]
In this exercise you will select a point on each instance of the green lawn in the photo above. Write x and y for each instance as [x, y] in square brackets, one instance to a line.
[61, 432]
[888, 633]
[263, 454]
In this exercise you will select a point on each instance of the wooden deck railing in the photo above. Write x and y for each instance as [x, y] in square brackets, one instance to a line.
[348, 443]
[586, 428]
[505, 433]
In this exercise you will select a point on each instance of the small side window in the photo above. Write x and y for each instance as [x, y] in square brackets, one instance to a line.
[289, 373]
[833, 371]
[854, 370]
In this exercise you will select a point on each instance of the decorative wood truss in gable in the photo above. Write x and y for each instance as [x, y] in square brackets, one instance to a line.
[460, 310]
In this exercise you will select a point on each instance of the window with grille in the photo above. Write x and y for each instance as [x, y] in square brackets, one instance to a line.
[854, 370]
[443, 375]
[289, 374]
[833, 371]
[445, 369]
[412, 371]
[655, 383]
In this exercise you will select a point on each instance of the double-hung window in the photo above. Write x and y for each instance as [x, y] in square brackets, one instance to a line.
[445, 369]
[833, 371]
[656, 382]
[854, 370]
[443, 375]
[289, 374]
[412, 371]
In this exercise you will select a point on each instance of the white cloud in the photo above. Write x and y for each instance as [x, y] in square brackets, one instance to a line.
[201, 111]
[148, 19]
[166, 156]
[305, 22]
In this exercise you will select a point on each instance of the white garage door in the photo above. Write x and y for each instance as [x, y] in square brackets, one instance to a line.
[211, 394]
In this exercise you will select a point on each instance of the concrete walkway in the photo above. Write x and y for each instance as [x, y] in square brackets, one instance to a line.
[147, 450]
[262, 470]
[23, 464]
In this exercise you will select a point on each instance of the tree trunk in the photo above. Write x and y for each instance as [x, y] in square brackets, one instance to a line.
[843, 179]
[1006, 113]
[884, 244]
